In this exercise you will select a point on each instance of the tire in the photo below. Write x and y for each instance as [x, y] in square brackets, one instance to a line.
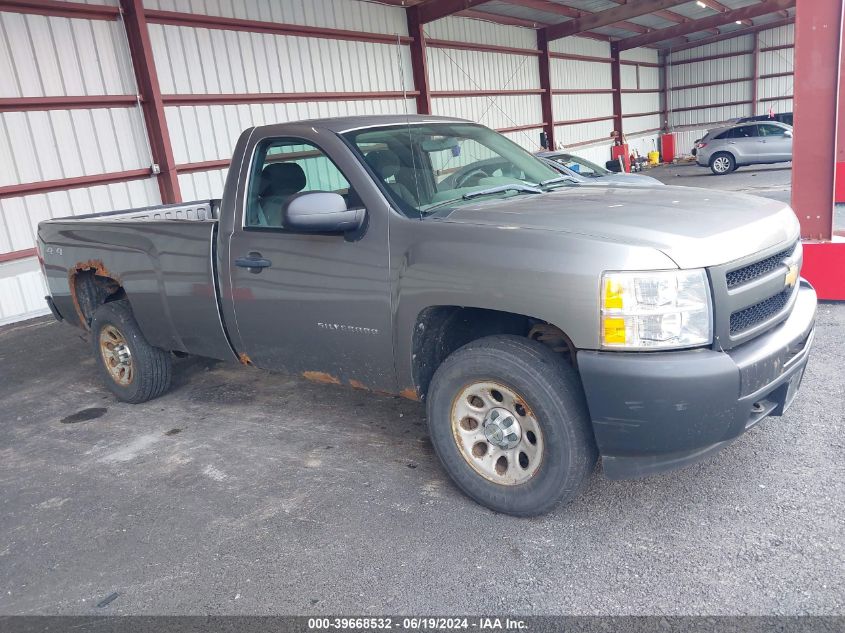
[543, 394]
[722, 163]
[132, 369]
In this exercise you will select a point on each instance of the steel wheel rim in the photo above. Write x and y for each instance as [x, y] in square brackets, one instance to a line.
[507, 454]
[721, 164]
[117, 357]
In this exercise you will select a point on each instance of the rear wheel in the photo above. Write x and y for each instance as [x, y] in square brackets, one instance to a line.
[722, 163]
[133, 370]
[508, 420]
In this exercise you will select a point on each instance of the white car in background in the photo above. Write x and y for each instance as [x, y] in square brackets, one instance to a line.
[570, 165]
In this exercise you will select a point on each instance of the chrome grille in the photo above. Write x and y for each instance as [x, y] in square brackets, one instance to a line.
[747, 318]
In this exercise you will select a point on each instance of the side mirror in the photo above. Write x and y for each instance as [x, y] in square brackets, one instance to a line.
[788, 133]
[320, 212]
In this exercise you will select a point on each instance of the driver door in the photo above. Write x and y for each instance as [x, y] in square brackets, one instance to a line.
[314, 304]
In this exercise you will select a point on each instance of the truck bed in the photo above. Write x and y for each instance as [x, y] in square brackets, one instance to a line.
[198, 210]
[162, 257]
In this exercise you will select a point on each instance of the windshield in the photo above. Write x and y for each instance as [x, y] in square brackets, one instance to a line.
[439, 165]
[581, 166]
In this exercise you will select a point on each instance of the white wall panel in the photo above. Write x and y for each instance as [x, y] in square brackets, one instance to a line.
[639, 102]
[499, 111]
[580, 46]
[210, 61]
[52, 144]
[203, 185]
[571, 74]
[583, 106]
[337, 14]
[481, 32]
[22, 291]
[527, 139]
[636, 124]
[201, 133]
[724, 70]
[19, 217]
[566, 135]
[733, 45]
[49, 56]
[648, 55]
[456, 69]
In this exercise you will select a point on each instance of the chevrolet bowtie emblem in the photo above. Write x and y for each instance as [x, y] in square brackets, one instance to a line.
[791, 276]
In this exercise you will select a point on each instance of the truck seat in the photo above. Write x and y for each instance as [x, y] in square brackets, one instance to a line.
[279, 181]
[386, 165]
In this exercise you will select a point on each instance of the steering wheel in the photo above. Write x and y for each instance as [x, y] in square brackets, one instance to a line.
[474, 174]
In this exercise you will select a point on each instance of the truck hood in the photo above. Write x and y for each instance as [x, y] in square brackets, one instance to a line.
[694, 227]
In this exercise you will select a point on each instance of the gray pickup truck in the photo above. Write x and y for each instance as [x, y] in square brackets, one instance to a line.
[543, 322]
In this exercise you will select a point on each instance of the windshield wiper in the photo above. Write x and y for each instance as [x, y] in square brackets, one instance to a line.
[483, 192]
[557, 180]
[501, 189]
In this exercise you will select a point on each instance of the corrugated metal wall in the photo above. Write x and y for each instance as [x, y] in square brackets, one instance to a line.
[44, 56]
[467, 71]
[244, 63]
[232, 70]
[693, 110]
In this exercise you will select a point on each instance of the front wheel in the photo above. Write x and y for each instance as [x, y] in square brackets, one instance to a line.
[132, 369]
[508, 420]
[722, 163]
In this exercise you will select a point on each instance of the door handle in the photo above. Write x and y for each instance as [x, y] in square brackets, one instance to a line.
[254, 262]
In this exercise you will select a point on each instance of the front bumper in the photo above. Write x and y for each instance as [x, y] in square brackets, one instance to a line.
[658, 411]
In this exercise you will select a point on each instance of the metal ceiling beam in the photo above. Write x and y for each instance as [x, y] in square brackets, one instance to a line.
[610, 16]
[727, 36]
[436, 9]
[500, 19]
[548, 7]
[714, 21]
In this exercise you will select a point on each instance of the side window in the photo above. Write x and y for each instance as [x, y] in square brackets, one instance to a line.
[283, 168]
[745, 131]
[771, 130]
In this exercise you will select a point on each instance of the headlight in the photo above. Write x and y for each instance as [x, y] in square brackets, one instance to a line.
[655, 310]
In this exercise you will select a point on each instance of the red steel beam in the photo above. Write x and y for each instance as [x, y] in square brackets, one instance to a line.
[713, 105]
[20, 104]
[473, 46]
[582, 58]
[713, 21]
[486, 93]
[280, 97]
[579, 121]
[436, 9]
[501, 19]
[147, 79]
[546, 100]
[16, 255]
[609, 16]
[727, 36]
[55, 8]
[178, 18]
[616, 85]
[755, 79]
[419, 62]
[46, 186]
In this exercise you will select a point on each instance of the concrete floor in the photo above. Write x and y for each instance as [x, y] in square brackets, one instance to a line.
[242, 491]
[769, 181]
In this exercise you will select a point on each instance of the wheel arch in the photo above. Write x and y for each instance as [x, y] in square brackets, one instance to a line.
[439, 330]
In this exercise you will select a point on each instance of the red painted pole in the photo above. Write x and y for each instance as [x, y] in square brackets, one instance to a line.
[818, 31]
[153, 106]
[419, 63]
[547, 98]
[616, 85]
